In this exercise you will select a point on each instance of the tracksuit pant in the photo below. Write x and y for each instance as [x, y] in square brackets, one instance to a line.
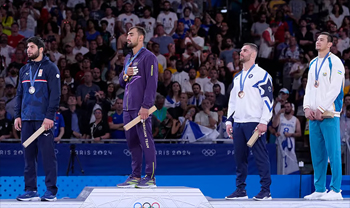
[324, 144]
[139, 139]
[241, 134]
[45, 144]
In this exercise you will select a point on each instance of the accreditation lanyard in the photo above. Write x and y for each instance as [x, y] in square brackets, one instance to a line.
[131, 60]
[317, 71]
[32, 79]
[243, 81]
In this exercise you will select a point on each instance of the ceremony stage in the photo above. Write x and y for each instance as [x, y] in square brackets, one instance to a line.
[163, 197]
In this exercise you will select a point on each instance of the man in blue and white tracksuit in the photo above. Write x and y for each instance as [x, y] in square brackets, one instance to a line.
[37, 101]
[250, 106]
[324, 93]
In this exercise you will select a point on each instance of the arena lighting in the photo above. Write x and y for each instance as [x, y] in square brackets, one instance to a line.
[224, 10]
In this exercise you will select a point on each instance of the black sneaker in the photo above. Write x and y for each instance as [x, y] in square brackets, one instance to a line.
[239, 194]
[263, 195]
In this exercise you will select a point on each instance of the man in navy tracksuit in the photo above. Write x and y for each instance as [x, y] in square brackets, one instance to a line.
[139, 78]
[37, 100]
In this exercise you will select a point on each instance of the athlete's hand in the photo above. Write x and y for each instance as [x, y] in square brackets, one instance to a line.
[47, 123]
[229, 131]
[318, 115]
[288, 134]
[309, 114]
[130, 71]
[143, 113]
[262, 128]
[18, 124]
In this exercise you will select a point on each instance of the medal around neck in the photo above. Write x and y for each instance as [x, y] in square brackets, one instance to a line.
[241, 94]
[125, 77]
[317, 83]
[31, 89]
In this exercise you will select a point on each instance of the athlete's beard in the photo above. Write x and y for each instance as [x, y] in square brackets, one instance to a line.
[245, 59]
[131, 45]
[34, 55]
[287, 112]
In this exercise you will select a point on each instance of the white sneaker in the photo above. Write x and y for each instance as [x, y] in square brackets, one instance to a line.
[332, 195]
[315, 195]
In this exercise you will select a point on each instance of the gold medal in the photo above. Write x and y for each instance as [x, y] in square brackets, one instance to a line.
[241, 94]
[125, 77]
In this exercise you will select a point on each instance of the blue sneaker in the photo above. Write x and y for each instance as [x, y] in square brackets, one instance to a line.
[130, 182]
[147, 182]
[263, 195]
[239, 194]
[29, 196]
[48, 196]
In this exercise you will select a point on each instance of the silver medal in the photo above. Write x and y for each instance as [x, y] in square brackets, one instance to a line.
[31, 89]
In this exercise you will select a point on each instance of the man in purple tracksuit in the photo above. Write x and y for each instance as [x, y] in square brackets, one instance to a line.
[139, 78]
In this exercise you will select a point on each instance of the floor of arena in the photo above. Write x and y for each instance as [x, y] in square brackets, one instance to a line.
[214, 203]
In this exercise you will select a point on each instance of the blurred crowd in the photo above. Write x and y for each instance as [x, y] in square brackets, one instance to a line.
[197, 44]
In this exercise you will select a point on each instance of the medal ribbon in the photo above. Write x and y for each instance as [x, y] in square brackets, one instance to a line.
[131, 60]
[243, 81]
[317, 72]
[32, 79]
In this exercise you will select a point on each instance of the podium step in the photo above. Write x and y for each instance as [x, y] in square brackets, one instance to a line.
[172, 197]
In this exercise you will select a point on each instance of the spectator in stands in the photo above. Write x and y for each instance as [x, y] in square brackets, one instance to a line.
[188, 4]
[180, 76]
[172, 100]
[332, 28]
[12, 78]
[148, 22]
[111, 95]
[2, 86]
[164, 86]
[313, 30]
[288, 129]
[68, 18]
[96, 57]
[171, 62]
[205, 117]
[95, 12]
[281, 100]
[68, 34]
[343, 41]
[160, 113]
[161, 59]
[86, 91]
[68, 53]
[208, 87]
[121, 43]
[51, 32]
[110, 19]
[203, 76]
[298, 69]
[281, 46]
[127, 17]
[10, 102]
[304, 37]
[79, 48]
[197, 97]
[345, 125]
[52, 51]
[99, 129]
[190, 58]
[65, 92]
[187, 84]
[225, 76]
[220, 99]
[299, 101]
[58, 127]
[297, 8]
[24, 31]
[337, 14]
[179, 36]
[75, 120]
[186, 20]
[168, 19]
[96, 79]
[201, 31]
[162, 39]
[91, 33]
[116, 121]
[213, 106]
[5, 52]
[5, 126]
[345, 104]
[7, 19]
[288, 57]
[216, 27]
[112, 77]
[267, 41]
[334, 48]
[193, 38]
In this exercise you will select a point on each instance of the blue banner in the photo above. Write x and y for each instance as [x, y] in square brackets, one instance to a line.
[114, 159]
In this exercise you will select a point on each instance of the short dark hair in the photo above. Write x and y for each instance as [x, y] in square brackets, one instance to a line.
[140, 30]
[216, 85]
[104, 22]
[329, 36]
[37, 41]
[196, 84]
[347, 95]
[252, 46]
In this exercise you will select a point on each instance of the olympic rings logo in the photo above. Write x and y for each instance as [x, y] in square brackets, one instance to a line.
[146, 205]
[209, 152]
[127, 152]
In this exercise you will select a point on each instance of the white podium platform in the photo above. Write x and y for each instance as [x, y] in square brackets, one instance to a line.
[163, 197]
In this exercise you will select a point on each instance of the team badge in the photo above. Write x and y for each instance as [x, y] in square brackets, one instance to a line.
[250, 76]
[40, 73]
[325, 74]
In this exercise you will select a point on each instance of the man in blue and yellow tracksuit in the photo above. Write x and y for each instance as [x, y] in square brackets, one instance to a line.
[37, 100]
[139, 78]
[324, 94]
